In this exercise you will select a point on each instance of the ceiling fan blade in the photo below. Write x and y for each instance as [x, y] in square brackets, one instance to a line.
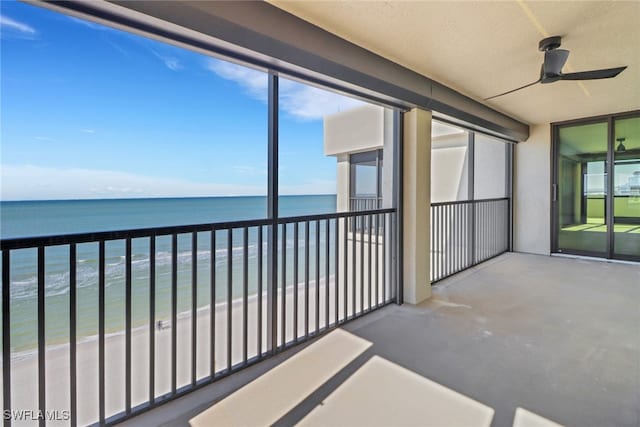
[554, 60]
[511, 91]
[593, 75]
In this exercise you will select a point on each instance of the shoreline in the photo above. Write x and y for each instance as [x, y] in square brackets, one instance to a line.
[202, 310]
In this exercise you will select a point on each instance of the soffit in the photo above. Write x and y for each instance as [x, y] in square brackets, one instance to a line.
[484, 48]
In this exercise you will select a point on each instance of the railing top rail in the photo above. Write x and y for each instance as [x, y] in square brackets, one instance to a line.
[461, 202]
[291, 219]
[76, 238]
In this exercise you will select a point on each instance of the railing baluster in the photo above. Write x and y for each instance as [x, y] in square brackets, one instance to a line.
[384, 258]
[493, 228]
[174, 311]
[355, 266]
[245, 294]
[480, 231]
[457, 244]
[439, 214]
[446, 240]
[317, 268]
[73, 307]
[6, 333]
[363, 219]
[41, 336]
[452, 239]
[431, 244]
[259, 334]
[485, 226]
[490, 229]
[326, 273]
[369, 223]
[377, 266]
[484, 231]
[212, 305]
[101, 372]
[336, 267]
[283, 321]
[152, 318]
[306, 279]
[296, 243]
[345, 230]
[127, 331]
[229, 296]
[461, 224]
[194, 306]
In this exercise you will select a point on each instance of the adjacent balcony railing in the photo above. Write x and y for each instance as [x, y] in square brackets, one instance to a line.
[466, 233]
[144, 316]
[359, 204]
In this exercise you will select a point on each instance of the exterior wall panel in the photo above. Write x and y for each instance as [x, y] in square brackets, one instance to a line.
[532, 204]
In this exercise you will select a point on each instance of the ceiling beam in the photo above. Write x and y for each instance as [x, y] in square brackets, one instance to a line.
[259, 33]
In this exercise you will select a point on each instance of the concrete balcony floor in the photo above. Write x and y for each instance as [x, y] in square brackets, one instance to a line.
[522, 340]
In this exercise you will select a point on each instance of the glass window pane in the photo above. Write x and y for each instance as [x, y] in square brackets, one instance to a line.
[131, 124]
[310, 170]
[582, 188]
[626, 187]
[366, 180]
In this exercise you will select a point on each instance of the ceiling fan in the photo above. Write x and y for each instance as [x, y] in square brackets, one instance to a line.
[554, 60]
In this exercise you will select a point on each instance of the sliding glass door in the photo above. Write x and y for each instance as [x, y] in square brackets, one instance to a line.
[594, 214]
[626, 187]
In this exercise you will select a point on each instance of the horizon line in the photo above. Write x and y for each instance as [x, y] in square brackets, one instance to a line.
[163, 197]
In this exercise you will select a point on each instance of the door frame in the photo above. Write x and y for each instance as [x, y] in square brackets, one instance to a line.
[554, 193]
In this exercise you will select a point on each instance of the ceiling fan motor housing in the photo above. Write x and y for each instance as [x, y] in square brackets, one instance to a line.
[550, 43]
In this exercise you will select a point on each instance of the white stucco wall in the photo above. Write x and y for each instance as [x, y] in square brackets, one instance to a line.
[342, 183]
[531, 184]
[489, 180]
[353, 131]
[387, 160]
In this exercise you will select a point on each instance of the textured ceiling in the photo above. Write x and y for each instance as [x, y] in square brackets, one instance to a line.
[485, 48]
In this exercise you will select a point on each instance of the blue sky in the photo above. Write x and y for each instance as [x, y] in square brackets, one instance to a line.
[93, 112]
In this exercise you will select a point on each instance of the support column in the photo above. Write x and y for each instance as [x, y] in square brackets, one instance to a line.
[416, 205]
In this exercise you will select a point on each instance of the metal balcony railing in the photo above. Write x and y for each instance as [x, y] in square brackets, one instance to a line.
[466, 233]
[362, 203]
[198, 302]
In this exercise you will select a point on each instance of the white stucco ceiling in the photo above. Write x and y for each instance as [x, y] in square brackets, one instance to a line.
[485, 48]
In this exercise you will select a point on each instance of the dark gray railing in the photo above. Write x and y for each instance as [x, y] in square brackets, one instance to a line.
[327, 274]
[362, 203]
[466, 233]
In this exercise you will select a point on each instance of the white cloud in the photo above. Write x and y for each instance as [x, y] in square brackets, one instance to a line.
[170, 62]
[30, 182]
[44, 138]
[253, 81]
[302, 101]
[8, 23]
[88, 130]
[90, 24]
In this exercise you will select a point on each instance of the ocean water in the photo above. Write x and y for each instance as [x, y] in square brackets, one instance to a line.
[42, 218]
